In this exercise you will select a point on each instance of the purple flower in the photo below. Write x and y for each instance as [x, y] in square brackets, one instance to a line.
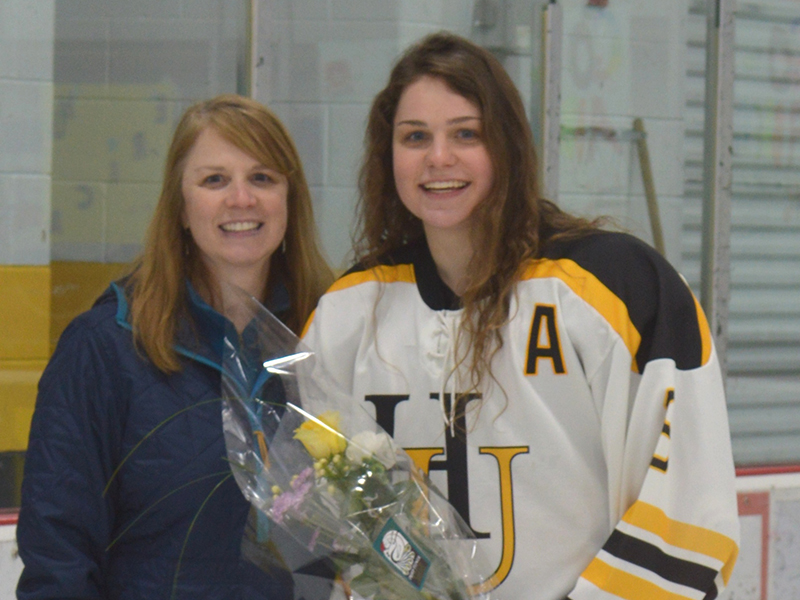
[313, 541]
[292, 498]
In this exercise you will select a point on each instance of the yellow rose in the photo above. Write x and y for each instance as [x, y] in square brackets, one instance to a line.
[321, 441]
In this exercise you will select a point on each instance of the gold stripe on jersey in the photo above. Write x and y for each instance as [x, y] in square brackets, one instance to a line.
[594, 293]
[382, 274]
[625, 585]
[684, 535]
[308, 323]
[705, 332]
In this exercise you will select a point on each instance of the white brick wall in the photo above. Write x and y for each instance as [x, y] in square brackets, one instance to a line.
[323, 62]
[26, 114]
[124, 73]
[619, 63]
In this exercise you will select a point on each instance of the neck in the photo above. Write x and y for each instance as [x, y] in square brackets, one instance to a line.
[226, 299]
[452, 252]
[252, 283]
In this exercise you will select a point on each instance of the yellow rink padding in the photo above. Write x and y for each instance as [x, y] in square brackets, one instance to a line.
[76, 285]
[18, 383]
[24, 347]
[24, 312]
[36, 304]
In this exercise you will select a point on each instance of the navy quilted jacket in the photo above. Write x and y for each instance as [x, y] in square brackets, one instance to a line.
[170, 523]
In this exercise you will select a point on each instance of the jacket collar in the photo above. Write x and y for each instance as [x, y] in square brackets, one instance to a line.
[202, 337]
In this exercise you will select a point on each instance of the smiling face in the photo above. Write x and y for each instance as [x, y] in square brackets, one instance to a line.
[235, 208]
[442, 168]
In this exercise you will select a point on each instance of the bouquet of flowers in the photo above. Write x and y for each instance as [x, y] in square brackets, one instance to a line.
[318, 466]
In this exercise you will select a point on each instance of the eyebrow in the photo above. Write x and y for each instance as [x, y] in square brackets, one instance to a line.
[216, 168]
[456, 121]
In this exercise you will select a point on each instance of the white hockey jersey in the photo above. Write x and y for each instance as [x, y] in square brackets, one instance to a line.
[596, 463]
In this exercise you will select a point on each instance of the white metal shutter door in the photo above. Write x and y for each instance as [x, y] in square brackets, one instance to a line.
[764, 331]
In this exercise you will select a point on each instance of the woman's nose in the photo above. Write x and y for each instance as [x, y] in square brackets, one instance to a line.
[240, 194]
[440, 153]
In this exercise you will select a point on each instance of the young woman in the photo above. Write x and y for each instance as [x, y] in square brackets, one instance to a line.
[127, 492]
[558, 381]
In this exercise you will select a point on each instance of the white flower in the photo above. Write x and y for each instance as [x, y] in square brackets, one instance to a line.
[368, 443]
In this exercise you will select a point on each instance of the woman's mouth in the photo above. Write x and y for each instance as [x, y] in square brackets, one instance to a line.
[444, 186]
[239, 226]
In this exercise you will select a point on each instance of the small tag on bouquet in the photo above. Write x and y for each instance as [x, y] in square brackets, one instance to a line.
[400, 552]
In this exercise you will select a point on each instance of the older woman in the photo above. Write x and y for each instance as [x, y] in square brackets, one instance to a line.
[126, 492]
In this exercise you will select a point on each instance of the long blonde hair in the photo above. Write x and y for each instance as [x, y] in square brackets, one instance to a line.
[157, 284]
[513, 223]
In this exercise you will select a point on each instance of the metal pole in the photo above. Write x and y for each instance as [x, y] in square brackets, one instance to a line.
[552, 33]
[245, 67]
[649, 186]
[715, 276]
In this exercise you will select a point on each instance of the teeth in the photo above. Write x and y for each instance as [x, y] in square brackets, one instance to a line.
[444, 185]
[240, 226]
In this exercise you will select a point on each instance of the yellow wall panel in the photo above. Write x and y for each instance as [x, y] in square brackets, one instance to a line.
[36, 304]
[76, 285]
[24, 312]
[18, 384]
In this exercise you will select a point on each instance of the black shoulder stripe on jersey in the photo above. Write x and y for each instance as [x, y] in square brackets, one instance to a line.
[652, 558]
[660, 305]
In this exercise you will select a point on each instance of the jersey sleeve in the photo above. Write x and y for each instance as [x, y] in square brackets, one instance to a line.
[334, 331]
[65, 519]
[671, 480]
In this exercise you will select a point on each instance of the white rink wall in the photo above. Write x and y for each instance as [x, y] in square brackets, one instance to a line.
[769, 558]
[768, 567]
[10, 564]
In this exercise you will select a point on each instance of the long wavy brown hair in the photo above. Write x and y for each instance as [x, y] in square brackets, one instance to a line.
[513, 224]
[156, 287]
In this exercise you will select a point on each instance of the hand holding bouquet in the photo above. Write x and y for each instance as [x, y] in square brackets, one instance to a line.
[323, 470]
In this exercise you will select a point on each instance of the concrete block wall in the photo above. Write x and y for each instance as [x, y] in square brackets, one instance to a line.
[619, 63]
[26, 100]
[90, 91]
[26, 109]
[124, 72]
[319, 64]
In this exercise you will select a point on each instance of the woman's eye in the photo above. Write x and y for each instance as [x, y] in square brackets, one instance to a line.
[262, 178]
[467, 134]
[214, 179]
[415, 137]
